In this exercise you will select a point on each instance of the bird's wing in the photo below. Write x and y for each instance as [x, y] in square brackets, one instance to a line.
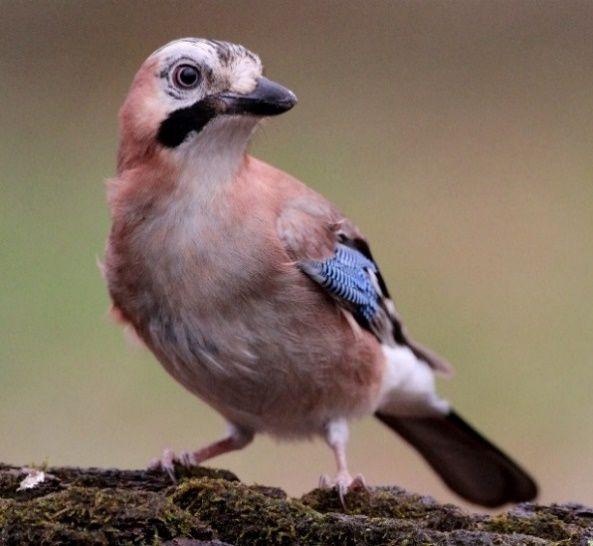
[330, 250]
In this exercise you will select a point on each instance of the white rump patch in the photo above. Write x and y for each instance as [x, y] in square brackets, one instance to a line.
[408, 387]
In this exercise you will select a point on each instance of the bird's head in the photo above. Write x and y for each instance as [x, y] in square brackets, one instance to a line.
[194, 92]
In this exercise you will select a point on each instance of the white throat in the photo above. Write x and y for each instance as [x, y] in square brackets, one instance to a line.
[211, 159]
[209, 163]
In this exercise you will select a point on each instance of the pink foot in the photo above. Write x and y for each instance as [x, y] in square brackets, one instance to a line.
[168, 460]
[343, 483]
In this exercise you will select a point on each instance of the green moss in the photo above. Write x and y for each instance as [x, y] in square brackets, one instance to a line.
[97, 507]
[391, 502]
[97, 516]
[561, 524]
[9, 482]
[546, 526]
[243, 515]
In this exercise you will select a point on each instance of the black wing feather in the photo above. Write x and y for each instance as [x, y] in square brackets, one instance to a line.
[352, 277]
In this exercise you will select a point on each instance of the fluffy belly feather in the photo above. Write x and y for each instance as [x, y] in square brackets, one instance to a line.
[234, 321]
[263, 361]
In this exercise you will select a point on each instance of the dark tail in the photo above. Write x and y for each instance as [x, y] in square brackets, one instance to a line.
[468, 463]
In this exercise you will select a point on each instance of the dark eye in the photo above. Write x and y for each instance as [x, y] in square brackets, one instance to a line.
[186, 76]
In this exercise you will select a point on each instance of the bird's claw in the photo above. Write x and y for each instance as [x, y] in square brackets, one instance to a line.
[187, 459]
[359, 484]
[325, 482]
[166, 463]
[343, 484]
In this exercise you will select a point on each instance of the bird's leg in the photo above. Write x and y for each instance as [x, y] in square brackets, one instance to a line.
[237, 438]
[336, 435]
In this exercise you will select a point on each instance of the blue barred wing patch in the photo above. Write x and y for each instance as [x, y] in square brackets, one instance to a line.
[350, 277]
[353, 279]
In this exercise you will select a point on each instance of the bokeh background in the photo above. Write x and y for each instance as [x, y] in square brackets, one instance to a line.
[457, 134]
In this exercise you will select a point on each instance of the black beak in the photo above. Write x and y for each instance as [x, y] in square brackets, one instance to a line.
[267, 99]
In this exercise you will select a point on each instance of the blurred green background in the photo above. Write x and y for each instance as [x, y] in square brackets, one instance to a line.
[457, 134]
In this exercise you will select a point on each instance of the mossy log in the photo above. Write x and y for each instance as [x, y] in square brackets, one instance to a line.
[212, 507]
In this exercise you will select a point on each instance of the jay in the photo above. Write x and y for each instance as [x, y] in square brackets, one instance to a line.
[255, 292]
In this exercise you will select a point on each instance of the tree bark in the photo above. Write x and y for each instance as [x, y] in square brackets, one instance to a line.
[212, 507]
